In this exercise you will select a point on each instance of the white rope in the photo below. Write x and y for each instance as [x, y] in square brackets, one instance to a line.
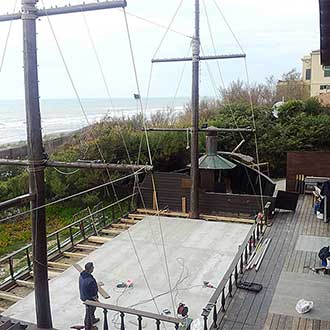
[149, 152]
[78, 97]
[140, 171]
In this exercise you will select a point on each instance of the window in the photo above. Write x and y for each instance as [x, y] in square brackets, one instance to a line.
[324, 87]
[308, 74]
[326, 69]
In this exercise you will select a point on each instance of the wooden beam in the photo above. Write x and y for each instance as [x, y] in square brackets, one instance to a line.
[98, 239]
[26, 284]
[129, 221]
[74, 255]
[81, 165]
[113, 232]
[120, 226]
[51, 274]
[86, 247]
[227, 219]
[136, 216]
[102, 292]
[58, 265]
[165, 213]
[9, 296]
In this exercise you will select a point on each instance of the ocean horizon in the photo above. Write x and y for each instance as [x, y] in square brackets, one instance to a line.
[59, 116]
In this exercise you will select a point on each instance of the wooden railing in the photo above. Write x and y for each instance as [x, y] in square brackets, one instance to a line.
[184, 324]
[20, 261]
[225, 289]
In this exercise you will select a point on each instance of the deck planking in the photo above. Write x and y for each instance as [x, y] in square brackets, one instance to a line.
[247, 310]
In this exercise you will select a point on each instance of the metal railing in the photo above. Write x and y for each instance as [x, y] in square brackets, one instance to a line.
[225, 289]
[183, 324]
[20, 261]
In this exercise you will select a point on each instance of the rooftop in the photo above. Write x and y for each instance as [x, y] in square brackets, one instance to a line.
[196, 250]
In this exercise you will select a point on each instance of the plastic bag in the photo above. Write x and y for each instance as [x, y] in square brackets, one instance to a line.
[197, 324]
[303, 306]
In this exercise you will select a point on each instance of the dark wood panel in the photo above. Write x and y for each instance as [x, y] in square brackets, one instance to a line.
[311, 163]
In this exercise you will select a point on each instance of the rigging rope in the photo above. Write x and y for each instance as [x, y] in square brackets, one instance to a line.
[7, 40]
[78, 97]
[149, 152]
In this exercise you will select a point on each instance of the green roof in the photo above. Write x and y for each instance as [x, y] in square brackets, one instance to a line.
[215, 162]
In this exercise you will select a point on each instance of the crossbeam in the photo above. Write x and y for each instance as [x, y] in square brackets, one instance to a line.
[202, 130]
[68, 9]
[81, 165]
[201, 58]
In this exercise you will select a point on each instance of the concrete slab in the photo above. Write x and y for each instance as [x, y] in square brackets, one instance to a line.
[311, 243]
[196, 251]
[294, 286]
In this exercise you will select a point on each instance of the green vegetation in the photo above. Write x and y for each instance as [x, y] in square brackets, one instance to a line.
[301, 125]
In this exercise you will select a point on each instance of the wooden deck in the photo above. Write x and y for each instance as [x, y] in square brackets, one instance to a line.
[252, 311]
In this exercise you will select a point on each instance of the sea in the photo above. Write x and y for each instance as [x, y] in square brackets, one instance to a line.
[65, 115]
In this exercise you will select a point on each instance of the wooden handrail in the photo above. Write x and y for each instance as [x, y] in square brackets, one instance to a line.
[132, 311]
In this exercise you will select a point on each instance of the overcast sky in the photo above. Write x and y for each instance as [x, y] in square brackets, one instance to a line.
[275, 34]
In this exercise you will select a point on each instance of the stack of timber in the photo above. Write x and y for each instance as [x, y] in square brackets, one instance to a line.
[258, 254]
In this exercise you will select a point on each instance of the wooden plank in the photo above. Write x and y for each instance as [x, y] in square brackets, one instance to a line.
[227, 219]
[27, 284]
[136, 216]
[120, 226]
[58, 265]
[309, 324]
[166, 213]
[302, 324]
[86, 247]
[102, 292]
[129, 221]
[9, 296]
[51, 274]
[316, 324]
[74, 255]
[98, 239]
[112, 232]
[2, 309]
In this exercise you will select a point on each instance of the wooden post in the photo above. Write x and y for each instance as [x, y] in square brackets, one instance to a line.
[184, 204]
[36, 158]
[154, 200]
[195, 118]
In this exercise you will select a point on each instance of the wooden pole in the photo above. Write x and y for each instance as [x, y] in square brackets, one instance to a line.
[195, 118]
[36, 168]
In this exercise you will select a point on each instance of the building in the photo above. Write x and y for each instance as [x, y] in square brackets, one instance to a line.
[315, 75]
[324, 31]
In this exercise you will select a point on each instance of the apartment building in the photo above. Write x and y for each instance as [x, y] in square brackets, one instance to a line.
[315, 75]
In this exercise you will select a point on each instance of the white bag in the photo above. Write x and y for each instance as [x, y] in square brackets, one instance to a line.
[197, 324]
[303, 306]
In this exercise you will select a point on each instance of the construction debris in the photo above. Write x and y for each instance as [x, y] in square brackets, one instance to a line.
[258, 254]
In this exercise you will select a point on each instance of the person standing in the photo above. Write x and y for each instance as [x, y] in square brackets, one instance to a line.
[88, 291]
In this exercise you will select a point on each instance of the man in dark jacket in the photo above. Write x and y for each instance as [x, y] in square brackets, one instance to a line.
[88, 291]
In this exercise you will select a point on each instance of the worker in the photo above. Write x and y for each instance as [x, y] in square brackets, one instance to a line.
[89, 291]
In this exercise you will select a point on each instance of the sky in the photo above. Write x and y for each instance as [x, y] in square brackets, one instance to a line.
[275, 35]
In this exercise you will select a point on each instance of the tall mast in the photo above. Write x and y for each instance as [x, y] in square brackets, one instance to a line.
[36, 165]
[195, 117]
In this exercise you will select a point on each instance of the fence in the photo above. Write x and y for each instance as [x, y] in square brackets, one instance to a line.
[224, 291]
[20, 261]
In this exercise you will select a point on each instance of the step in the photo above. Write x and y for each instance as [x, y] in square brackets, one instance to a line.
[98, 239]
[86, 247]
[74, 255]
[9, 296]
[26, 284]
[163, 213]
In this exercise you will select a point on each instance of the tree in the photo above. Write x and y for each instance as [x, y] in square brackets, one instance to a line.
[291, 87]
